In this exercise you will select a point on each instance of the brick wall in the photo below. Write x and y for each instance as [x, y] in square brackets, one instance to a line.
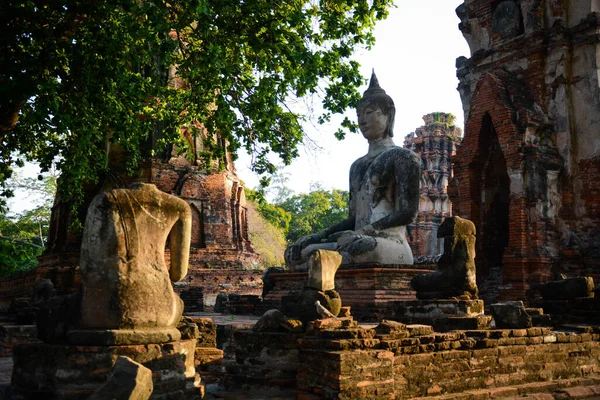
[414, 361]
[434, 143]
[530, 94]
[370, 291]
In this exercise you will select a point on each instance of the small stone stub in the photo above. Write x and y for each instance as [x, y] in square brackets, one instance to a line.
[322, 266]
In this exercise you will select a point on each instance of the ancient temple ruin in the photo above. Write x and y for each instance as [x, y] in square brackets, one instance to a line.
[435, 142]
[221, 252]
[216, 197]
[527, 171]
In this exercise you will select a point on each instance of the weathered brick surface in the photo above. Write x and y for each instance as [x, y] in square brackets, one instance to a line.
[434, 143]
[370, 290]
[13, 335]
[219, 222]
[74, 372]
[412, 361]
[65, 279]
[230, 280]
[263, 360]
[473, 364]
[526, 172]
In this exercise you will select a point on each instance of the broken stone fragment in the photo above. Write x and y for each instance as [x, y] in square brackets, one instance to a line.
[387, 327]
[302, 305]
[270, 321]
[129, 381]
[568, 289]
[322, 266]
[274, 321]
[511, 315]
[344, 311]
[334, 323]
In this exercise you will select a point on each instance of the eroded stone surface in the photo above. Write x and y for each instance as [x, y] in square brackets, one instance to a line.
[567, 289]
[301, 305]
[129, 381]
[126, 283]
[322, 267]
[456, 269]
[511, 315]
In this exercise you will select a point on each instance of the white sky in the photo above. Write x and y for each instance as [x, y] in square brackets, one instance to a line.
[414, 59]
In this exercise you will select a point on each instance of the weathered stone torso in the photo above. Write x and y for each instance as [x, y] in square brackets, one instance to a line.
[126, 283]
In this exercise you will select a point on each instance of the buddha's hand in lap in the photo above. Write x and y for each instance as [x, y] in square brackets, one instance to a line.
[300, 244]
[334, 237]
[356, 244]
[367, 230]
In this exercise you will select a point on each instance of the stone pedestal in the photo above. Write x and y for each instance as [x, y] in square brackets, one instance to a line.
[339, 360]
[444, 315]
[74, 372]
[370, 291]
[263, 361]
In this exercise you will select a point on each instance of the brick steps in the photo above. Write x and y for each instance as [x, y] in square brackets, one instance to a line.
[10, 335]
[581, 388]
[245, 395]
[562, 389]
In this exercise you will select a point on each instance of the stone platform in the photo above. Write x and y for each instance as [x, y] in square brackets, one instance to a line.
[369, 290]
[444, 315]
[74, 372]
[397, 361]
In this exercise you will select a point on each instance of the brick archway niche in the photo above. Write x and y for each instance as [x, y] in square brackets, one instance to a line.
[495, 171]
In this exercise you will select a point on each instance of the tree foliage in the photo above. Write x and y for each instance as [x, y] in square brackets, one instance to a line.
[267, 239]
[312, 212]
[23, 235]
[78, 76]
[274, 215]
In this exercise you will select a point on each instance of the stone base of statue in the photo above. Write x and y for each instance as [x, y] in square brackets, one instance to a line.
[74, 372]
[370, 290]
[443, 314]
[108, 337]
[301, 305]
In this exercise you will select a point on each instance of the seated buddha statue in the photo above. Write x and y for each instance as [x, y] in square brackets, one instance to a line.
[384, 195]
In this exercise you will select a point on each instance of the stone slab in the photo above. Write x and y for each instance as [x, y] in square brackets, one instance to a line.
[450, 323]
[109, 337]
[439, 308]
[72, 372]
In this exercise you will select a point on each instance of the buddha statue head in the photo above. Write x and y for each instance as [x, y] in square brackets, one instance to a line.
[375, 98]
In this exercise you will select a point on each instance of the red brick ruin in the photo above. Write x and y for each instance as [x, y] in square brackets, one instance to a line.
[219, 228]
[219, 245]
[527, 170]
[434, 143]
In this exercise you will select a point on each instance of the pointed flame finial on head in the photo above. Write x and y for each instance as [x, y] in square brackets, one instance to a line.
[374, 89]
[374, 82]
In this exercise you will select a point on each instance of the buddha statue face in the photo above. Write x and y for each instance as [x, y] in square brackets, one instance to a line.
[372, 121]
[376, 112]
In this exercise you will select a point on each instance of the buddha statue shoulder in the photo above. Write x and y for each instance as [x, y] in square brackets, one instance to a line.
[384, 195]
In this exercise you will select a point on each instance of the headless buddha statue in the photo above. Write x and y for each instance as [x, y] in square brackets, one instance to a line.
[384, 195]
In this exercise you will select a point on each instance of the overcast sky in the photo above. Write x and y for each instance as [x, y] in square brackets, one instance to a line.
[414, 59]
